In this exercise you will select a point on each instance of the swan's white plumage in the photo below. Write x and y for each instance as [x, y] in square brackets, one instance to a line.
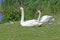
[46, 18]
[30, 23]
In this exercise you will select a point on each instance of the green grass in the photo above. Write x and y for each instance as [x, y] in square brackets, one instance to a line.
[17, 32]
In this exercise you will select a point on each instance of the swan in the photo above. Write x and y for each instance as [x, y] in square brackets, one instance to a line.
[45, 18]
[28, 23]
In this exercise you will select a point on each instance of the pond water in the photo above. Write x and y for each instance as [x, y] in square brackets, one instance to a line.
[1, 17]
[1, 2]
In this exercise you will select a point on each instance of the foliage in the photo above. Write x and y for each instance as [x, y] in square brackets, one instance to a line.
[30, 6]
[10, 6]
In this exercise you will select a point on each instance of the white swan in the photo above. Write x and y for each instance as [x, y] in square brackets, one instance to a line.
[45, 18]
[28, 23]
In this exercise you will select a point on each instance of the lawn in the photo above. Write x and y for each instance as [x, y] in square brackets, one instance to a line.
[17, 32]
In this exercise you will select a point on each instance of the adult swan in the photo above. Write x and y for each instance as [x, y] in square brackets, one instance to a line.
[45, 18]
[29, 23]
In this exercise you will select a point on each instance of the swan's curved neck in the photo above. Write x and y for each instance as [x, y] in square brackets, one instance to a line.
[39, 16]
[22, 15]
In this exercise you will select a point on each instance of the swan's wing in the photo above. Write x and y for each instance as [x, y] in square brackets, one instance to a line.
[29, 23]
[46, 19]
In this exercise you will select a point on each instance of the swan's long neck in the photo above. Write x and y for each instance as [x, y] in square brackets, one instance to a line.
[22, 15]
[39, 16]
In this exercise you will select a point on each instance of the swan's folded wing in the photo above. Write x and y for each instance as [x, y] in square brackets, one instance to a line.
[29, 23]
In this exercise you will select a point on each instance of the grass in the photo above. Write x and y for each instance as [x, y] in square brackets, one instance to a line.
[17, 32]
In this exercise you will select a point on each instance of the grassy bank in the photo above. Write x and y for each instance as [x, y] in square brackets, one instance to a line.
[17, 32]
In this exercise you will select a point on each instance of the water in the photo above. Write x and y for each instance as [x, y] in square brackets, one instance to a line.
[1, 17]
[1, 2]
